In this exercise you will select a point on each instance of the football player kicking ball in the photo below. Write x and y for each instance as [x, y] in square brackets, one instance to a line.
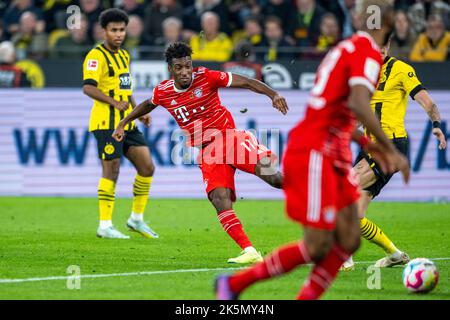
[321, 192]
[191, 97]
[389, 103]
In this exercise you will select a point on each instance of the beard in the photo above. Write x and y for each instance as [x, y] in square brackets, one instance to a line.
[185, 86]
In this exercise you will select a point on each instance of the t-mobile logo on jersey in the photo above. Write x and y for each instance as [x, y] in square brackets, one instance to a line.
[182, 113]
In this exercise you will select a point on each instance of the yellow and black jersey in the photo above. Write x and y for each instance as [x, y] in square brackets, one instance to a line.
[390, 100]
[110, 73]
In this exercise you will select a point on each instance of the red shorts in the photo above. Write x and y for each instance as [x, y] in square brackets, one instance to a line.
[235, 149]
[316, 189]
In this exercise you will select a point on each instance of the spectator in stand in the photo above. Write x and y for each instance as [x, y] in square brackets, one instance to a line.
[2, 31]
[403, 4]
[275, 42]
[342, 10]
[29, 41]
[55, 15]
[92, 10]
[11, 76]
[14, 13]
[404, 36]
[172, 32]
[241, 10]
[423, 9]
[155, 13]
[192, 15]
[245, 62]
[252, 32]
[307, 22]
[210, 44]
[134, 38]
[98, 34]
[282, 9]
[330, 35]
[75, 45]
[133, 7]
[433, 44]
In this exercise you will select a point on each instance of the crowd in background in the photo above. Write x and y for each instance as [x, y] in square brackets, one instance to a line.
[220, 30]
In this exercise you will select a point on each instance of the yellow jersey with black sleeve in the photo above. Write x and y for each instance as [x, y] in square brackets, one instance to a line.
[390, 100]
[110, 73]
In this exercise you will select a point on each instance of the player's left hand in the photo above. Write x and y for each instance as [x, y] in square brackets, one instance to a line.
[146, 120]
[441, 137]
[280, 104]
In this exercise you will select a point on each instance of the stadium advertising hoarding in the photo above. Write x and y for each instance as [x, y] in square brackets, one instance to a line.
[294, 74]
[45, 148]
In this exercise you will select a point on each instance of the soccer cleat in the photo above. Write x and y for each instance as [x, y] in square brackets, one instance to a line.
[348, 265]
[391, 261]
[111, 233]
[142, 228]
[222, 288]
[247, 257]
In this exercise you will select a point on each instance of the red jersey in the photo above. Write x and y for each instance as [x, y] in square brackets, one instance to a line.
[329, 123]
[197, 109]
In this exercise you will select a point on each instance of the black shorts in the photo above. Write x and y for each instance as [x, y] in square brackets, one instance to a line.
[109, 148]
[402, 145]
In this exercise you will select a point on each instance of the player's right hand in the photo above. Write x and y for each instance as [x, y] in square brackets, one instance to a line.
[280, 104]
[402, 165]
[119, 133]
[389, 161]
[121, 105]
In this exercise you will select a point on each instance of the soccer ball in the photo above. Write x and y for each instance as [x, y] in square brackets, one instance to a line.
[420, 275]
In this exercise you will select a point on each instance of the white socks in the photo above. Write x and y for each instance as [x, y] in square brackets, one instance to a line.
[104, 224]
[250, 249]
[137, 216]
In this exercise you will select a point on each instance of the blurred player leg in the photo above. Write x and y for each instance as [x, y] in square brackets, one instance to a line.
[347, 241]
[142, 161]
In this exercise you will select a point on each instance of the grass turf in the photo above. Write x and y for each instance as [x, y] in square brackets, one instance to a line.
[41, 237]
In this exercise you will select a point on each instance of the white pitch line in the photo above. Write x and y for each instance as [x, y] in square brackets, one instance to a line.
[147, 273]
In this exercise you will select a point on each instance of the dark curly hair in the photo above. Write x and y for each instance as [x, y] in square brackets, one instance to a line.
[177, 50]
[113, 15]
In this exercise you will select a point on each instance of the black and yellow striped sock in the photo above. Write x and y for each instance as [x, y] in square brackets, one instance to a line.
[106, 198]
[141, 189]
[370, 231]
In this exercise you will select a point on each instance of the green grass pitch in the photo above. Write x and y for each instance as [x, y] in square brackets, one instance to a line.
[41, 237]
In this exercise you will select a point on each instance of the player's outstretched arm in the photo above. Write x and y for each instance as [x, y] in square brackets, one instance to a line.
[142, 109]
[145, 119]
[424, 99]
[257, 86]
[359, 103]
[94, 93]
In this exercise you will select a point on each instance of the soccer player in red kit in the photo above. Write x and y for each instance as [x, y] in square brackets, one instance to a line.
[321, 192]
[191, 97]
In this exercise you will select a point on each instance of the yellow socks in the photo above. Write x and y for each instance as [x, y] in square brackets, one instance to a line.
[141, 189]
[106, 198]
[370, 231]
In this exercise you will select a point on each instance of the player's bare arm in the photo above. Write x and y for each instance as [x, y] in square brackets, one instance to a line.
[142, 109]
[424, 99]
[145, 119]
[359, 103]
[94, 93]
[257, 86]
